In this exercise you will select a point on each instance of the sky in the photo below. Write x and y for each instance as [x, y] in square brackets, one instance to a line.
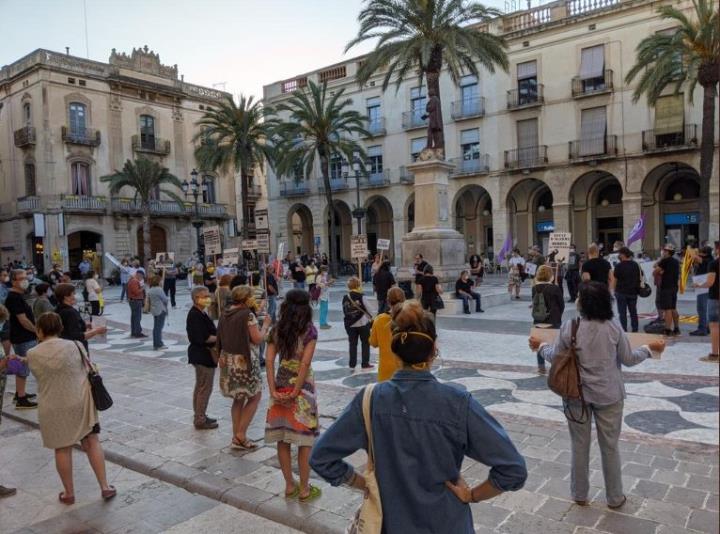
[235, 45]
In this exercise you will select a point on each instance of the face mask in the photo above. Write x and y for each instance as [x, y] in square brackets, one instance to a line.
[24, 284]
[205, 302]
[96, 276]
[31, 277]
[211, 270]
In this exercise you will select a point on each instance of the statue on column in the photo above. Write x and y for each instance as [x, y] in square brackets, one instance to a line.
[433, 112]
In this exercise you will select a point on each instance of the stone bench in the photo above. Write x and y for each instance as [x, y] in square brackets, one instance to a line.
[453, 306]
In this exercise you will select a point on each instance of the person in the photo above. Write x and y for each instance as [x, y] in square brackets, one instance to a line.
[713, 310]
[419, 266]
[376, 264]
[423, 482]
[125, 275]
[572, 273]
[55, 275]
[477, 269]
[273, 291]
[298, 275]
[324, 260]
[93, 290]
[311, 273]
[603, 348]
[170, 283]
[158, 310]
[42, 302]
[464, 291]
[5, 491]
[614, 257]
[202, 334]
[292, 415]
[84, 268]
[381, 336]
[323, 282]
[221, 299]
[626, 284]
[667, 269]
[358, 315]
[22, 334]
[382, 282]
[516, 272]
[702, 263]
[136, 300]
[596, 269]
[74, 327]
[67, 414]
[430, 290]
[548, 304]
[209, 278]
[33, 281]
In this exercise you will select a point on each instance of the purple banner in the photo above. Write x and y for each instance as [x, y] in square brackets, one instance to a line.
[637, 232]
[505, 248]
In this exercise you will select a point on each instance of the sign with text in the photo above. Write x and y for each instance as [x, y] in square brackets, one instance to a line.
[383, 244]
[211, 235]
[358, 247]
[263, 243]
[248, 244]
[281, 251]
[262, 224]
[560, 242]
[164, 260]
[230, 257]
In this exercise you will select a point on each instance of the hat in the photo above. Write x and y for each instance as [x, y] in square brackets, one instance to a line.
[669, 247]
[141, 270]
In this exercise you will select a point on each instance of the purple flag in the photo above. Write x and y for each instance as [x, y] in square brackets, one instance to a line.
[505, 248]
[637, 232]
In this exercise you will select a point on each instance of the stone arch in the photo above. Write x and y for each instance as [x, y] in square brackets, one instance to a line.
[596, 209]
[84, 242]
[300, 230]
[409, 213]
[158, 241]
[529, 203]
[379, 223]
[472, 211]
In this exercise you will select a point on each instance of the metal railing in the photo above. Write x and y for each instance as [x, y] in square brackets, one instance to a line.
[413, 119]
[336, 184]
[468, 108]
[24, 136]
[519, 99]
[168, 207]
[376, 126]
[377, 179]
[254, 191]
[208, 210]
[27, 204]
[152, 145]
[479, 165]
[526, 158]
[294, 189]
[406, 177]
[598, 147]
[684, 139]
[593, 86]
[81, 136]
[83, 203]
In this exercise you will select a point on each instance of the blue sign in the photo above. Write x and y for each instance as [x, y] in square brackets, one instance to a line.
[682, 218]
[317, 240]
[545, 226]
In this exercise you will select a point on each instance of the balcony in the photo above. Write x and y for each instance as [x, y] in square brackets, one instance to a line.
[468, 109]
[412, 120]
[336, 184]
[213, 211]
[406, 177]
[684, 140]
[592, 86]
[531, 157]
[378, 179]
[83, 204]
[517, 99]
[294, 189]
[467, 167]
[151, 145]
[592, 149]
[28, 204]
[81, 136]
[169, 208]
[376, 126]
[25, 137]
[254, 192]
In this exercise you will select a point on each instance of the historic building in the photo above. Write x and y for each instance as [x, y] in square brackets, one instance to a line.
[556, 143]
[65, 122]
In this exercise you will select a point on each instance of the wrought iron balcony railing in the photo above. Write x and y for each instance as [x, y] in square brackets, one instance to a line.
[83, 203]
[294, 189]
[376, 126]
[151, 145]
[377, 179]
[81, 136]
[413, 119]
[526, 158]
[465, 167]
[683, 140]
[336, 184]
[598, 147]
[24, 137]
[406, 177]
[468, 108]
[592, 86]
[523, 98]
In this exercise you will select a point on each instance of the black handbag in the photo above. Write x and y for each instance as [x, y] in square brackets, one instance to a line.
[644, 290]
[99, 392]
[438, 303]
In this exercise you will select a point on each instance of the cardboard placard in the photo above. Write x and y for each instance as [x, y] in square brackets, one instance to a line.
[560, 242]
[358, 247]
[249, 244]
[548, 335]
[230, 257]
[261, 221]
[263, 243]
[211, 235]
[164, 260]
[383, 244]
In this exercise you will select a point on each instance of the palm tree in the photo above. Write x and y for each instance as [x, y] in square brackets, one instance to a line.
[146, 177]
[233, 139]
[690, 56]
[319, 126]
[420, 37]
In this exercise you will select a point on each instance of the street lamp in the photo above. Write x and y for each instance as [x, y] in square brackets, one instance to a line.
[196, 188]
[359, 211]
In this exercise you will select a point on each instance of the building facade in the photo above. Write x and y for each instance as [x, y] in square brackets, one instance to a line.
[554, 144]
[66, 121]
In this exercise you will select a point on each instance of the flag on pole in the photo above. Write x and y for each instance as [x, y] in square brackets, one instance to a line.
[686, 267]
[638, 231]
[505, 248]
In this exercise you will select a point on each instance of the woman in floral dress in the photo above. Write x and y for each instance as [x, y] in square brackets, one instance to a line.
[292, 415]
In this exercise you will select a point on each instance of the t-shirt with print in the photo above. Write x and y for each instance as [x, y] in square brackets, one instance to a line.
[16, 305]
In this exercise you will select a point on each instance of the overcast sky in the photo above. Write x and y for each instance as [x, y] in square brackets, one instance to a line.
[244, 43]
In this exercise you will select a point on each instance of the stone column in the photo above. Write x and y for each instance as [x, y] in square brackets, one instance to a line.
[501, 228]
[632, 208]
[561, 217]
[398, 233]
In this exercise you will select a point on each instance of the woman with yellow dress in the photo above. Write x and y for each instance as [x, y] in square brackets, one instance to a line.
[381, 336]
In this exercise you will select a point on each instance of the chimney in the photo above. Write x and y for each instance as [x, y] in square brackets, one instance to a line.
[67, 50]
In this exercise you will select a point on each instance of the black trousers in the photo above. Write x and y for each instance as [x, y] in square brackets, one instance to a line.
[169, 289]
[361, 333]
[573, 281]
[627, 303]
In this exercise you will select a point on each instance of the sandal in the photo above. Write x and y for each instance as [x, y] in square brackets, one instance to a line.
[294, 493]
[244, 445]
[66, 499]
[616, 506]
[315, 492]
[108, 493]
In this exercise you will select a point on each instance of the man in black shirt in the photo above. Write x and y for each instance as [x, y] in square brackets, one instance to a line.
[713, 306]
[572, 274]
[702, 263]
[22, 333]
[464, 290]
[596, 269]
[420, 265]
[626, 279]
[668, 269]
[382, 282]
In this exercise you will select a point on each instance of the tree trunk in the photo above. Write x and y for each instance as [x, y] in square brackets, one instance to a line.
[433, 84]
[333, 250]
[146, 236]
[244, 203]
[707, 153]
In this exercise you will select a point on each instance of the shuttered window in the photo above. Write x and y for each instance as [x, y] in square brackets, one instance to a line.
[593, 128]
[592, 62]
[527, 70]
[470, 144]
[527, 136]
[669, 114]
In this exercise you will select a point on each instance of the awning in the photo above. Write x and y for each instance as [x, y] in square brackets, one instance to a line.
[592, 62]
[669, 114]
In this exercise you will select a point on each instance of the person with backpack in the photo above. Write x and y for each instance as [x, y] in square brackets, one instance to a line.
[548, 304]
[357, 316]
[598, 347]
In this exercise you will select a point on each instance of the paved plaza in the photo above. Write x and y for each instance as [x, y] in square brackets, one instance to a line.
[159, 461]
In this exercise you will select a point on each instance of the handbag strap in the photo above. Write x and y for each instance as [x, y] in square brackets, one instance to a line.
[358, 306]
[83, 356]
[366, 405]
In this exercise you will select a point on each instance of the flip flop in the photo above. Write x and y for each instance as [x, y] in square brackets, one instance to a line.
[315, 492]
[294, 493]
[65, 499]
[244, 445]
[108, 493]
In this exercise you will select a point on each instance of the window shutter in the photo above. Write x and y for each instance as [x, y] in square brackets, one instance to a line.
[375, 150]
[593, 125]
[468, 80]
[469, 136]
[592, 62]
[527, 70]
[373, 102]
[527, 133]
[669, 114]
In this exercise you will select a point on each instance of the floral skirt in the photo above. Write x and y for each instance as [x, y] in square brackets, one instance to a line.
[241, 375]
[296, 421]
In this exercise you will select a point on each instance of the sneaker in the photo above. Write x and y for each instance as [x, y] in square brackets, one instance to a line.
[711, 358]
[480, 311]
[30, 396]
[517, 298]
[7, 492]
[698, 333]
[325, 327]
[206, 425]
[23, 403]
[368, 366]
[668, 333]
[466, 312]
[164, 347]
[210, 419]
[676, 332]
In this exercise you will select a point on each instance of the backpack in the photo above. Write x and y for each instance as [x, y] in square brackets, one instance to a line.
[540, 312]
[564, 378]
[352, 311]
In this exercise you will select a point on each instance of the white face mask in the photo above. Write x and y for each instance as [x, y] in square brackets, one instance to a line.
[31, 277]
[24, 284]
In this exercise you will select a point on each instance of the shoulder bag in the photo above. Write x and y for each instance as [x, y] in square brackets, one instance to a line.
[644, 290]
[100, 394]
[564, 379]
[369, 517]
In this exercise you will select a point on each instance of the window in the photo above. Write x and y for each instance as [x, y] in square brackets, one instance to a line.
[373, 113]
[418, 100]
[416, 146]
[470, 144]
[298, 173]
[80, 176]
[147, 131]
[593, 129]
[27, 114]
[375, 160]
[527, 138]
[592, 68]
[527, 82]
[30, 182]
[209, 190]
[77, 119]
[669, 120]
[469, 95]
[336, 166]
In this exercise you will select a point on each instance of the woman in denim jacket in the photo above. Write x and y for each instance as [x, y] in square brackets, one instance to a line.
[422, 431]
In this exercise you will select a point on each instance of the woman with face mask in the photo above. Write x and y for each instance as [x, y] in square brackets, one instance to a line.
[92, 286]
[202, 334]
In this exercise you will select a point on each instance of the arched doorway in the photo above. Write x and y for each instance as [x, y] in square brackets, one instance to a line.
[671, 202]
[410, 213]
[300, 230]
[597, 211]
[379, 224]
[343, 229]
[473, 218]
[530, 203]
[158, 242]
[84, 244]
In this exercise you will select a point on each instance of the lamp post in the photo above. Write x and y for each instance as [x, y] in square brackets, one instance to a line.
[359, 211]
[196, 188]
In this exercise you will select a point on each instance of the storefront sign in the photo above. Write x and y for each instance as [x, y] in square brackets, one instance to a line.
[682, 218]
[545, 226]
[263, 243]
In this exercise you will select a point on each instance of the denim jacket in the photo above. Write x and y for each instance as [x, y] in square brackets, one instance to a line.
[422, 430]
